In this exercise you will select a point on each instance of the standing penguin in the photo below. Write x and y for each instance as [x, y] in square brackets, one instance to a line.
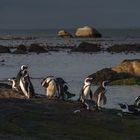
[26, 85]
[99, 94]
[19, 75]
[50, 86]
[86, 92]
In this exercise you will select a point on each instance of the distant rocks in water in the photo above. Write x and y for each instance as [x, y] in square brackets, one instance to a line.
[63, 34]
[4, 49]
[37, 48]
[87, 47]
[21, 49]
[127, 48]
[87, 31]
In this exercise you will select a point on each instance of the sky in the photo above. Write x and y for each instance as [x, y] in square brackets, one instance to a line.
[45, 14]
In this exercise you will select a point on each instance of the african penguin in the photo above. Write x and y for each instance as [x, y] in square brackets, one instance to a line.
[22, 68]
[129, 109]
[86, 92]
[26, 85]
[99, 95]
[13, 81]
[50, 87]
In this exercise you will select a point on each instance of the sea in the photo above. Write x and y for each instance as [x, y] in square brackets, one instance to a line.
[72, 67]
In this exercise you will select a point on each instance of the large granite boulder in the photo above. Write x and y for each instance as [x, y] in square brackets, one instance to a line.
[131, 66]
[87, 31]
[87, 47]
[4, 49]
[63, 34]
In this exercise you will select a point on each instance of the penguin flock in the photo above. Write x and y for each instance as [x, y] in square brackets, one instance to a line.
[57, 88]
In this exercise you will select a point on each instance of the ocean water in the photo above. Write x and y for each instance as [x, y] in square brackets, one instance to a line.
[73, 67]
[49, 37]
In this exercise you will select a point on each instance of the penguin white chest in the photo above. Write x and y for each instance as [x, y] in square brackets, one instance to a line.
[51, 89]
[87, 91]
[22, 86]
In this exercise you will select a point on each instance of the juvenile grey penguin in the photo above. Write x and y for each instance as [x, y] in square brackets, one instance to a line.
[26, 84]
[99, 95]
[50, 86]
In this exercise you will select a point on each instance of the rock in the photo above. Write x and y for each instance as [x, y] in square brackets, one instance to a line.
[4, 49]
[127, 48]
[131, 66]
[87, 31]
[37, 48]
[63, 33]
[21, 49]
[87, 47]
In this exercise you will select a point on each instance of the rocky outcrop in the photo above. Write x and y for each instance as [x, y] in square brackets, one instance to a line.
[127, 69]
[131, 66]
[87, 31]
[4, 49]
[63, 34]
[37, 48]
[87, 47]
[127, 48]
[21, 49]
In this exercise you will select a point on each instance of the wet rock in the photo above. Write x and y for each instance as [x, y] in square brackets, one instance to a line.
[4, 49]
[37, 48]
[21, 49]
[87, 31]
[87, 47]
[131, 66]
[63, 34]
[127, 48]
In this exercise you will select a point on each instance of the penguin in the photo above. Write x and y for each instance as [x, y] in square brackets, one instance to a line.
[14, 86]
[22, 68]
[129, 109]
[26, 85]
[51, 89]
[137, 101]
[86, 92]
[62, 88]
[99, 95]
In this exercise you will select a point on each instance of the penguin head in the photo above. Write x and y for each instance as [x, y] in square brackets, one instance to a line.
[12, 80]
[23, 67]
[104, 83]
[88, 81]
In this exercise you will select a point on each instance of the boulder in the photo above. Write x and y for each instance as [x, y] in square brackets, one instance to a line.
[21, 49]
[37, 48]
[127, 48]
[131, 66]
[87, 47]
[63, 33]
[87, 31]
[4, 49]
